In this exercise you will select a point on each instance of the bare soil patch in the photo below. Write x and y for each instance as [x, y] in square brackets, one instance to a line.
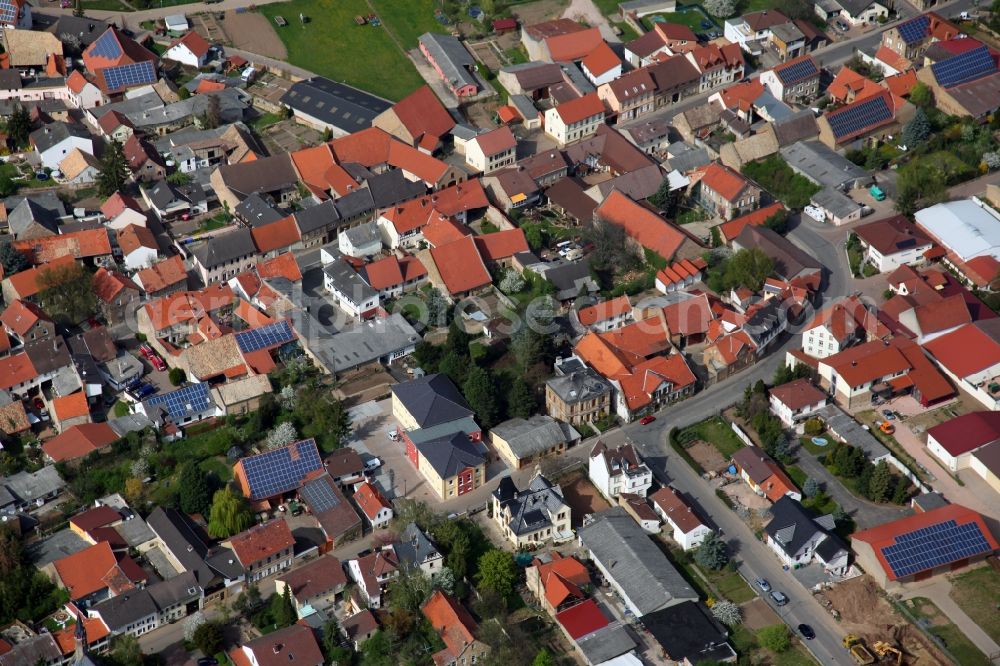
[866, 613]
[757, 615]
[707, 456]
[252, 32]
[583, 497]
[536, 12]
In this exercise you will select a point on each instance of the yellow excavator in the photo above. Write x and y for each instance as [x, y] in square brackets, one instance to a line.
[883, 649]
[858, 650]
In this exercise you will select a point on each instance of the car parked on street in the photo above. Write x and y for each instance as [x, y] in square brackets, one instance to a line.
[646, 420]
[779, 597]
[807, 632]
[763, 584]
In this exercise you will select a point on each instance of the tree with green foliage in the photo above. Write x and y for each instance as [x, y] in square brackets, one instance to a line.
[458, 339]
[195, 489]
[749, 268]
[666, 199]
[535, 237]
[613, 250]
[775, 638]
[811, 487]
[283, 610]
[208, 638]
[378, 650]
[713, 553]
[528, 346]
[333, 650]
[327, 135]
[497, 572]
[777, 222]
[177, 376]
[917, 130]
[67, 293]
[248, 601]
[784, 374]
[230, 514]
[12, 260]
[481, 392]
[920, 184]
[544, 658]
[321, 416]
[19, 126]
[183, 93]
[880, 483]
[114, 169]
[921, 95]
[212, 117]
[455, 366]
[126, 651]
[521, 400]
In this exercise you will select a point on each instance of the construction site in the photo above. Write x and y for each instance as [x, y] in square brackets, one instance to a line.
[875, 632]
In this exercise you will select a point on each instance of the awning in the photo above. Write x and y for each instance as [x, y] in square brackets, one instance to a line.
[936, 252]
[901, 383]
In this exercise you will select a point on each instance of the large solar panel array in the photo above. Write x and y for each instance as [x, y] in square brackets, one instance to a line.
[8, 12]
[915, 30]
[183, 401]
[106, 46]
[934, 546]
[319, 496]
[281, 470]
[855, 119]
[798, 71]
[965, 67]
[135, 74]
[262, 337]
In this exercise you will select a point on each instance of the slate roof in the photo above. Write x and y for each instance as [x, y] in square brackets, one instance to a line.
[791, 526]
[789, 260]
[531, 509]
[432, 400]
[688, 633]
[224, 248]
[49, 135]
[535, 435]
[413, 547]
[452, 453]
[257, 210]
[580, 386]
[451, 56]
[28, 212]
[334, 103]
[638, 567]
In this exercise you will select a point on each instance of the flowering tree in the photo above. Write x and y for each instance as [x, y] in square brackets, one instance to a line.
[721, 8]
[282, 435]
[727, 613]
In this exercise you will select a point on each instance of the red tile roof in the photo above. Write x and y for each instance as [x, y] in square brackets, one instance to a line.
[496, 141]
[465, 196]
[91, 519]
[283, 266]
[965, 351]
[188, 306]
[76, 81]
[641, 224]
[441, 230]
[892, 234]
[691, 316]
[887, 534]
[20, 316]
[90, 570]
[604, 310]
[163, 274]
[413, 214]
[580, 108]
[16, 369]
[312, 165]
[561, 578]
[647, 377]
[194, 42]
[676, 509]
[848, 84]
[109, 122]
[582, 619]
[732, 228]
[422, 113]
[501, 244]
[893, 59]
[70, 406]
[262, 541]
[78, 441]
[460, 266]
[370, 500]
[117, 202]
[948, 313]
[967, 432]
[82, 244]
[276, 236]
[982, 270]
[132, 237]
[601, 60]
[798, 394]
[292, 645]
[724, 181]
[451, 621]
[861, 106]
[318, 577]
[129, 51]
[393, 271]
[573, 46]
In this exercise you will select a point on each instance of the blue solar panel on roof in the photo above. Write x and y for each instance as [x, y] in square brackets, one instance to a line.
[134, 74]
[855, 119]
[797, 72]
[281, 470]
[964, 67]
[320, 496]
[183, 401]
[915, 30]
[934, 546]
[8, 12]
[268, 335]
[106, 46]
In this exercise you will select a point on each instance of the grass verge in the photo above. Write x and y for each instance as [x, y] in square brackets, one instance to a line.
[957, 643]
[978, 593]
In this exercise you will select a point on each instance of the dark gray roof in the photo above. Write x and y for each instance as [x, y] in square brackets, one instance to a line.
[580, 386]
[432, 400]
[789, 260]
[414, 548]
[451, 56]
[796, 127]
[29, 486]
[268, 174]
[535, 435]
[224, 248]
[791, 526]
[336, 104]
[571, 278]
[534, 75]
[314, 218]
[48, 200]
[48, 355]
[51, 134]
[127, 608]
[688, 633]
[163, 195]
[392, 187]
[10, 79]
[845, 427]
[823, 166]
[38, 649]
[356, 204]
[27, 213]
[362, 234]
[179, 589]
[637, 566]
[347, 281]
[533, 508]
[930, 501]
[362, 343]
[606, 643]
[182, 540]
[78, 32]
[835, 201]
[257, 210]
[450, 454]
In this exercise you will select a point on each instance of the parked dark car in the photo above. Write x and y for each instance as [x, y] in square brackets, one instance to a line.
[807, 632]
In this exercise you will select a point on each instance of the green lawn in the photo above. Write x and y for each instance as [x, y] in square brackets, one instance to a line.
[332, 45]
[410, 19]
[807, 444]
[692, 18]
[796, 475]
[964, 651]
[731, 585]
[978, 593]
[746, 645]
[108, 5]
[717, 432]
